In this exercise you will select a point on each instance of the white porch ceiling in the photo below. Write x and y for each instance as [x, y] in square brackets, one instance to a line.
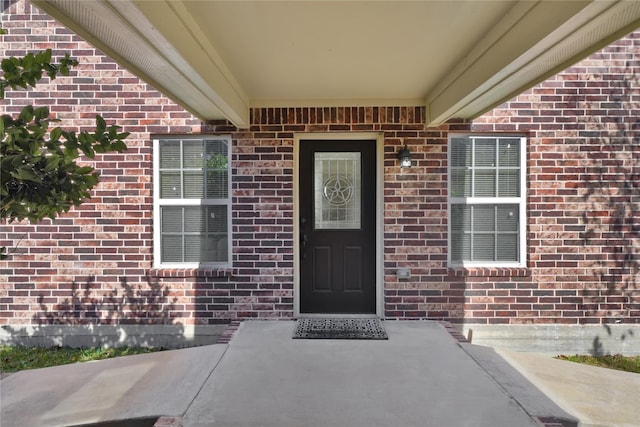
[459, 58]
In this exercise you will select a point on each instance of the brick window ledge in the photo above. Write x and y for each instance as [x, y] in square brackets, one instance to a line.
[191, 272]
[489, 272]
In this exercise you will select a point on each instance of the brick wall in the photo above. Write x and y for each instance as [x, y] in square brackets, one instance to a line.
[94, 264]
[90, 265]
[584, 194]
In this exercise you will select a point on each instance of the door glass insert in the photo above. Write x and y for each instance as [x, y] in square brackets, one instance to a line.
[337, 189]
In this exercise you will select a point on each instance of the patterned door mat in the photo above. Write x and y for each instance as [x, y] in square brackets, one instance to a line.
[335, 328]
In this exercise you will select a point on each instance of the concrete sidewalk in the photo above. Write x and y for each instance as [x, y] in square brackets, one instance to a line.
[598, 397]
[140, 386]
[421, 376]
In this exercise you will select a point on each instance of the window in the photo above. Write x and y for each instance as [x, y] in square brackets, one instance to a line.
[487, 207]
[192, 204]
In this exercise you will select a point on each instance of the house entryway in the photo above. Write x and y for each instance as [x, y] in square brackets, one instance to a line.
[337, 227]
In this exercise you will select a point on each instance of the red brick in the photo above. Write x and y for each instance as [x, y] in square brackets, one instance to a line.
[580, 210]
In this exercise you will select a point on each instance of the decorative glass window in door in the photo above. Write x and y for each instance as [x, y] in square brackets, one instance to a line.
[337, 189]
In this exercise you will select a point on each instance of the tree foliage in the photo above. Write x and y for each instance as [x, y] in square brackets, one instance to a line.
[39, 173]
[40, 176]
[27, 71]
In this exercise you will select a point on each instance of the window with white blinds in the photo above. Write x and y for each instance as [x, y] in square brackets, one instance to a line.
[487, 207]
[192, 204]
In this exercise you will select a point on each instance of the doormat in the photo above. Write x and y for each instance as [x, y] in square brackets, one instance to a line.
[335, 329]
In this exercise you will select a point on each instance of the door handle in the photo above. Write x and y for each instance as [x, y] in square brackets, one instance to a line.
[303, 245]
[304, 240]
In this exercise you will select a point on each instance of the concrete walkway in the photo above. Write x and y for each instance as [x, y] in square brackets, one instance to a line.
[421, 376]
[598, 397]
[139, 386]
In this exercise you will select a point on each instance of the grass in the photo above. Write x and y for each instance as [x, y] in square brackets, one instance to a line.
[14, 359]
[616, 361]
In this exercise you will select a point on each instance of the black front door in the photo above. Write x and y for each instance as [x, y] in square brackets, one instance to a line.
[337, 226]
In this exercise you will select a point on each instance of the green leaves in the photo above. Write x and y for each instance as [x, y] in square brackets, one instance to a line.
[39, 176]
[28, 70]
[26, 173]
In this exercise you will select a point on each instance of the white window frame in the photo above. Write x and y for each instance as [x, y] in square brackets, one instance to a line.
[158, 203]
[521, 201]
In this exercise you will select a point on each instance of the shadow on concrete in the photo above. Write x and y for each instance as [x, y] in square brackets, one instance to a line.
[138, 422]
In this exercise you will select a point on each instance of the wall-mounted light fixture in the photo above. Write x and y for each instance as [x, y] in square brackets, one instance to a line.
[404, 156]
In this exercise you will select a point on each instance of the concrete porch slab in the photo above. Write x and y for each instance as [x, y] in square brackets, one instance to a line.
[419, 377]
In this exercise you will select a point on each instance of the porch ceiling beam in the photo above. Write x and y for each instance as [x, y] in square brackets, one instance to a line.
[135, 35]
[500, 68]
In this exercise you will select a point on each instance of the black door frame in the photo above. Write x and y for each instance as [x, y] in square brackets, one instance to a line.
[379, 172]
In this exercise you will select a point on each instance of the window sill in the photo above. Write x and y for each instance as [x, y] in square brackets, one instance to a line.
[191, 272]
[489, 272]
